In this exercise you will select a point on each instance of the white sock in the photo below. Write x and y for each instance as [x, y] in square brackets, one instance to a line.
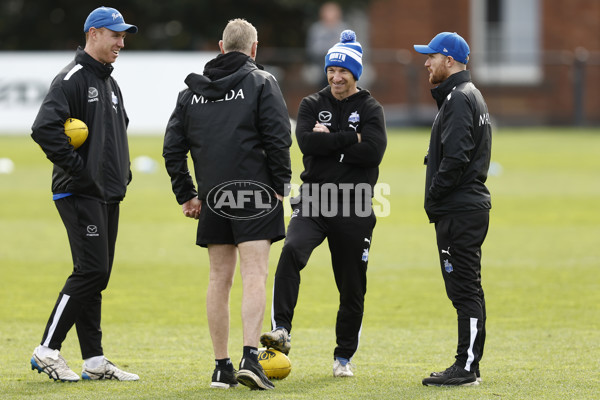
[43, 351]
[94, 362]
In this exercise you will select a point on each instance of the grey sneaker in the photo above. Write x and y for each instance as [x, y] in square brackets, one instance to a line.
[107, 370]
[55, 366]
[278, 339]
[342, 370]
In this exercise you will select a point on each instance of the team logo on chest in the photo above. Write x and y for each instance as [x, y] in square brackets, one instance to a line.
[353, 120]
[115, 101]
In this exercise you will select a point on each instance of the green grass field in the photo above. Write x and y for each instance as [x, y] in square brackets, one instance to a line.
[541, 274]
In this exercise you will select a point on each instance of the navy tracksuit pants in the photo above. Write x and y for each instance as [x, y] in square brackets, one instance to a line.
[92, 230]
[459, 241]
[349, 239]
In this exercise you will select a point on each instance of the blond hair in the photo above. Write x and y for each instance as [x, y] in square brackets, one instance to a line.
[239, 35]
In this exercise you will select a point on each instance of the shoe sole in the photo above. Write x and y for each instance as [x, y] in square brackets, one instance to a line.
[221, 385]
[105, 377]
[451, 382]
[439, 374]
[35, 366]
[249, 379]
[86, 377]
[274, 344]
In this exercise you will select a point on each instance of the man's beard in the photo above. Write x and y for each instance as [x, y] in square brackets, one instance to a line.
[437, 77]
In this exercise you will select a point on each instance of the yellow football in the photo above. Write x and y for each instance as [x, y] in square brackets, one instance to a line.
[76, 131]
[275, 364]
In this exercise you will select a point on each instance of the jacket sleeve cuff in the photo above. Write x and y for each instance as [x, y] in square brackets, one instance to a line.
[185, 197]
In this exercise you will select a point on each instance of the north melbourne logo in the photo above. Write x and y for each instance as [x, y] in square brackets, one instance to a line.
[448, 266]
[353, 120]
[365, 255]
[115, 101]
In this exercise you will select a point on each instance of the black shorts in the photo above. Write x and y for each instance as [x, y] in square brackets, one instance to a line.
[217, 229]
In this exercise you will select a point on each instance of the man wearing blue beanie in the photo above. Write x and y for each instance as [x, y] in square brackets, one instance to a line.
[347, 54]
[456, 198]
[341, 133]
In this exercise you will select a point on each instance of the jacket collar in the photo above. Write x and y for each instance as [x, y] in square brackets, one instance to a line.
[99, 69]
[440, 92]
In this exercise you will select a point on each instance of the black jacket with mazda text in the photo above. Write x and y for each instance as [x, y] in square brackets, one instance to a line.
[236, 127]
[459, 152]
[100, 168]
[336, 156]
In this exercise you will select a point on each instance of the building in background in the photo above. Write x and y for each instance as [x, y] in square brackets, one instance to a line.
[536, 61]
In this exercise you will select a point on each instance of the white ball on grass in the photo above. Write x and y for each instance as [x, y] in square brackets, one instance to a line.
[7, 166]
[145, 164]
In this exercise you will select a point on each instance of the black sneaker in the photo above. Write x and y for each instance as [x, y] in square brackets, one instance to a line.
[453, 376]
[223, 379]
[251, 374]
[477, 374]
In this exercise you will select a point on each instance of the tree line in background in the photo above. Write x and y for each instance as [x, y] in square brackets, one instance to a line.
[163, 25]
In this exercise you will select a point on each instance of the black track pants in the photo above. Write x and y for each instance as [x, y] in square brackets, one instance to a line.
[92, 230]
[459, 240]
[349, 240]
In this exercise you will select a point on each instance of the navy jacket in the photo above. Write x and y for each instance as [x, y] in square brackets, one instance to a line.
[236, 128]
[336, 156]
[459, 152]
[100, 168]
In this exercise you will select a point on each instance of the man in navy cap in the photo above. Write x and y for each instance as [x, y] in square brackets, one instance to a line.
[456, 198]
[88, 183]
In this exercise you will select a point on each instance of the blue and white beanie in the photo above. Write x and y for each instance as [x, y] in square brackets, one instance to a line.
[346, 54]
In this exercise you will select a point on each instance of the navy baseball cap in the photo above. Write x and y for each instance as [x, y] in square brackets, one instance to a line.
[109, 18]
[448, 44]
